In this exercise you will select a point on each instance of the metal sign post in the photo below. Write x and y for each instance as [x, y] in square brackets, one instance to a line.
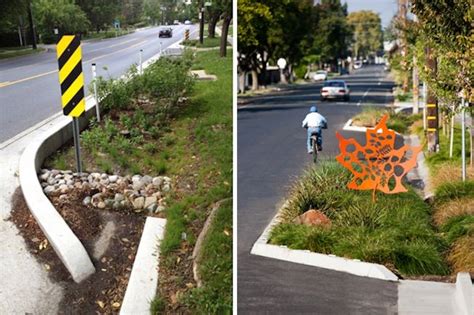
[71, 79]
[141, 65]
[463, 138]
[94, 83]
[77, 146]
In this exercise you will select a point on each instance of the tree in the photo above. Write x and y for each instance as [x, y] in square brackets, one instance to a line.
[254, 21]
[61, 14]
[227, 18]
[367, 31]
[332, 33]
[101, 13]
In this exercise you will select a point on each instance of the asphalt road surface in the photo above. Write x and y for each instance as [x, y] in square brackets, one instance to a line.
[29, 86]
[271, 155]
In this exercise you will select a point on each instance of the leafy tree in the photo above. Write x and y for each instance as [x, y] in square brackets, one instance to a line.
[367, 30]
[332, 33]
[101, 13]
[10, 11]
[63, 14]
[227, 18]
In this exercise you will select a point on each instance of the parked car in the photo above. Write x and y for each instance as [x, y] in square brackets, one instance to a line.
[335, 89]
[176, 22]
[187, 22]
[320, 75]
[357, 64]
[166, 32]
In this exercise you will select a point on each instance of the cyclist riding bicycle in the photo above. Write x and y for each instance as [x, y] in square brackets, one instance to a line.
[314, 121]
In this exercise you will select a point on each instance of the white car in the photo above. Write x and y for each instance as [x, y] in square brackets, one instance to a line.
[176, 22]
[357, 64]
[187, 22]
[334, 89]
[320, 75]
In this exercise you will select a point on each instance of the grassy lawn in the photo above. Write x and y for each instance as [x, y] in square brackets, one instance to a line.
[149, 128]
[207, 43]
[9, 52]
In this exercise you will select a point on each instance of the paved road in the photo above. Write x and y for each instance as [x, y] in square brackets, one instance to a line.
[29, 87]
[271, 154]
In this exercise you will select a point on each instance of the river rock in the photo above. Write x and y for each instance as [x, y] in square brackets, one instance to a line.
[138, 203]
[149, 201]
[48, 189]
[63, 188]
[86, 201]
[157, 181]
[119, 197]
[113, 178]
[101, 205]
[44, 176]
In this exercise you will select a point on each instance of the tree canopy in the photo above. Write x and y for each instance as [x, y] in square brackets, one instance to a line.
[367, 29]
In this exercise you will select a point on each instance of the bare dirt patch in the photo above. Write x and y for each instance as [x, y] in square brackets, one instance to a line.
[102, 292]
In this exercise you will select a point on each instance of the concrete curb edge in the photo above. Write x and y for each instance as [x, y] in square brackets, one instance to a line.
[464, 294]
[306, 257]
[141, 288]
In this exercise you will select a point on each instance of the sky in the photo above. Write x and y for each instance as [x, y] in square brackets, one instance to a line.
[386, 8]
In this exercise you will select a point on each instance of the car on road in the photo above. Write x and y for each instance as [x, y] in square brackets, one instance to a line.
[335, 89]
[319, 75]
[176, 22]
[166, 32]
[357, 64]
[187, 22]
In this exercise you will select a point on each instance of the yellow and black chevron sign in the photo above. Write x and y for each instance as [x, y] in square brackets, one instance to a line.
[71, 77]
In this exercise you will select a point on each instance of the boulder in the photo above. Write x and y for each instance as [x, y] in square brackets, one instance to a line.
[313, 218]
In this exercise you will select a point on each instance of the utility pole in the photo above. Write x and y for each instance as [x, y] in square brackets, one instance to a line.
[32, 26]
[416, 82]
[432, 106]
[402, 15]
[201, 22]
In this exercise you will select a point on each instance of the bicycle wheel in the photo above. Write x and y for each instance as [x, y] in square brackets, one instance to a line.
[315, 150]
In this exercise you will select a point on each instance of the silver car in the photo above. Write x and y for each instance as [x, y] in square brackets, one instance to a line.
[335, 89]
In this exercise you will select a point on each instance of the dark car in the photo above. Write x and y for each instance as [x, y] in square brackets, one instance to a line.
[166, 32]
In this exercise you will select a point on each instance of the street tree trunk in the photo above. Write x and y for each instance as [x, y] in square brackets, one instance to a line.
[242, 82]
[211, 29]
[225, 32]
[254, 80]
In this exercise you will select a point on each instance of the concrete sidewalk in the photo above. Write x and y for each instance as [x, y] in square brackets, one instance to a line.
[25, 286]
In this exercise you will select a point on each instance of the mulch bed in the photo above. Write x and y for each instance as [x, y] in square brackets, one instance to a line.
[102, 292]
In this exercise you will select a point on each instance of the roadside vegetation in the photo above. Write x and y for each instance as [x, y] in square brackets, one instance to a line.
[400, 122]
[165, 123]
[208, 42]
[396, 231]
[9, 52]
[205, 164]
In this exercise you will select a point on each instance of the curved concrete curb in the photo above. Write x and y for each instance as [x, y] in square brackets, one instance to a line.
[65, 243]
[141, 288]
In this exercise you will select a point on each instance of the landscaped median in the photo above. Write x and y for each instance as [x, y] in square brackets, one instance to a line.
[411, 237]
[163, 149]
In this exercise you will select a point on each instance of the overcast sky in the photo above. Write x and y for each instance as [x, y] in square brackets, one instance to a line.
[385, 8]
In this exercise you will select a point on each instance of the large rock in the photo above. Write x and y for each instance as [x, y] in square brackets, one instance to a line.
[313, 218]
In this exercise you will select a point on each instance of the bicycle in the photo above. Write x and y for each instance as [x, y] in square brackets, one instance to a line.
[315, 145]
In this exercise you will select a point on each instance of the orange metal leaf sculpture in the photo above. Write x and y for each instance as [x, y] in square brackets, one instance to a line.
[378, 165]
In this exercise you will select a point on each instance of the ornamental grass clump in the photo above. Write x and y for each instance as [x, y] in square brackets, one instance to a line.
[395, 231]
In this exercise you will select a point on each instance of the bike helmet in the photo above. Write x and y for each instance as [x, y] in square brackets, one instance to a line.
[313, 109]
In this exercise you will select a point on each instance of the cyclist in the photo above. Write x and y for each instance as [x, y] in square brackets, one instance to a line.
[314, 121]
